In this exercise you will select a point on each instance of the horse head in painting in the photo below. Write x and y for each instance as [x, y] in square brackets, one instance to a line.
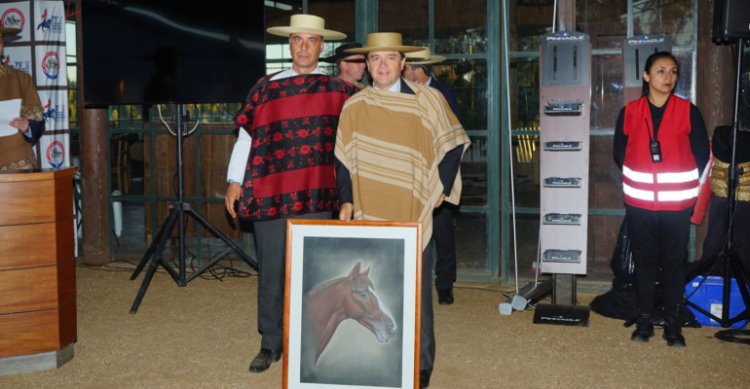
[349, 297]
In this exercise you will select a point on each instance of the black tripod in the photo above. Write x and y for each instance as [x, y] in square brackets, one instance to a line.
[728, 258]
[177, 213]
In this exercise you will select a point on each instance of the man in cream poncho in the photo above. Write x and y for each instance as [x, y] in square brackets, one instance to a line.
[398, 153]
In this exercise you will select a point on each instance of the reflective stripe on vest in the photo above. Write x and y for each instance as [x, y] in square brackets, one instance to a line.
[661, 178]
[663, 196]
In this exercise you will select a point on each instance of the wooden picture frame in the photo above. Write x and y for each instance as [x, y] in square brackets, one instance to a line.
[352, 304]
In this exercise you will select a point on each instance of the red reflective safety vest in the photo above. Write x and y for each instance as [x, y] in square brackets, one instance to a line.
[670, 185]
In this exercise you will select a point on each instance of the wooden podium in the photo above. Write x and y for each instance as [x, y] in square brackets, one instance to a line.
[37, 270]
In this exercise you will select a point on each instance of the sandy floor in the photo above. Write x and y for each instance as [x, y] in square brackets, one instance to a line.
[203, 336]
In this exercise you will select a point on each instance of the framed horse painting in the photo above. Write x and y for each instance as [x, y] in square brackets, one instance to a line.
[352, 301]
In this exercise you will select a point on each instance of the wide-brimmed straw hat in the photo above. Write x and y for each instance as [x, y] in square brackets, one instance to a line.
[341, 53]
[384, 41]
[306, 23]
[423, 57]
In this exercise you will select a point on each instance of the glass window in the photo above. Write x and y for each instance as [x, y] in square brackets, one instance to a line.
[673, 18]
[339, 15]
[460, 26]
[469, 78]
[278, 14]
[474, 173]
[471, 242]
[410, 18]
[606, 22]
[606, 90]
[606, 25]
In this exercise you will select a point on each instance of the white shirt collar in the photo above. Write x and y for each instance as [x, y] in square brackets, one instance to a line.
[396, 87]
[291, 73]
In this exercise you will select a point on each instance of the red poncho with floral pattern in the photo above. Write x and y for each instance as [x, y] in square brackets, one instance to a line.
[292, 122]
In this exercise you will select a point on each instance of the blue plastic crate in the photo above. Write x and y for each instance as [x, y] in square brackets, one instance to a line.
[709, 297]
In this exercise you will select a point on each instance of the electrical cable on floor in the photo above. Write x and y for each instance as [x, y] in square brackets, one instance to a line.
[734, 336]
[217, 272]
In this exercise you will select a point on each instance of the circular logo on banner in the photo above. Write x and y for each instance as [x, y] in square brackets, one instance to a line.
[13, 18]
[51, 65]
[56, 154]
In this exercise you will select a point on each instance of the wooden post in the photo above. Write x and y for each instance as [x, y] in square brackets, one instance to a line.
[94, 188]
[95, 192]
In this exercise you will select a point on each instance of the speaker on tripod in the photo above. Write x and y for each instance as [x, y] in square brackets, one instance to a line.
[731, 23]
[178, 212]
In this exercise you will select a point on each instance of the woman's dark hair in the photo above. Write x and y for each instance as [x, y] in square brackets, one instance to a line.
[650, 62]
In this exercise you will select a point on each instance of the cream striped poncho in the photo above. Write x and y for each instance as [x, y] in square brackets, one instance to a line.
[392, 143]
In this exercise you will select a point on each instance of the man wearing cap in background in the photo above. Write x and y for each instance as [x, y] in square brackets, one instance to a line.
[282, 164]
[351, 66]
[417, 69]
[398, 152]
[15, 148]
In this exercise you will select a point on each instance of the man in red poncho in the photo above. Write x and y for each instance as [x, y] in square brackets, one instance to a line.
[282, 164]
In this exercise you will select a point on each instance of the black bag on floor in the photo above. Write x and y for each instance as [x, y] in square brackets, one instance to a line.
[620, 302]
[622, 263]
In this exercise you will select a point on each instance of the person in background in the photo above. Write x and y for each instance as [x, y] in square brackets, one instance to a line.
[351, 66]
[418, 69]
[15, 149]
[282, 164]
[718, 220]
[661, 145]
[398, 151]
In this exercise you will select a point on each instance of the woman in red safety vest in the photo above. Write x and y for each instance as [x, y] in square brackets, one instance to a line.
[661, 145]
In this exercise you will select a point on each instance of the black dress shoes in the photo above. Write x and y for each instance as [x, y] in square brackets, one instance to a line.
[644, 329]
[263, 360]
[673, 334]
[445, 296]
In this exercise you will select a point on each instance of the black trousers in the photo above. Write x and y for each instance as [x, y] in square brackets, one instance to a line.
[427, 333]
[445, 245]
[659, 240]
[270, 246]
[716, 237]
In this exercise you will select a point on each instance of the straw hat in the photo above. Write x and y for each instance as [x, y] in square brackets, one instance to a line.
[423, 57]
[305, 23]
[384, 41]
